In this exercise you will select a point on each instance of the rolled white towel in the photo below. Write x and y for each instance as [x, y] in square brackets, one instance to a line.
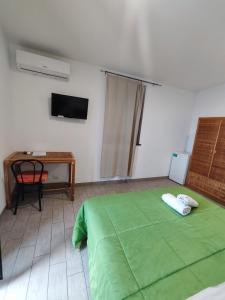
[176, 204]
[187, 200]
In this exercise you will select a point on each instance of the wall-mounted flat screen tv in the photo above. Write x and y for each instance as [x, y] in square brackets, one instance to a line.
[69, 107]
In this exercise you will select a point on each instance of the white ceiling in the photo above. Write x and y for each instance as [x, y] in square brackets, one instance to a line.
[177, 42]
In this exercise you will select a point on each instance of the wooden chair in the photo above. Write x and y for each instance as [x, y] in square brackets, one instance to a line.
[28, 173]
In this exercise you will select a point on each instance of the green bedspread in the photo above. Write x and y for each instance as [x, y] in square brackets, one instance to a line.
[139, 248]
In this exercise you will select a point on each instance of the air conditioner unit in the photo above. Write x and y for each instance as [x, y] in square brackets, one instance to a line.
[42, 65]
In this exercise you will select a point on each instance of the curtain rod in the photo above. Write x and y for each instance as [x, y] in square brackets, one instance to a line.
[150, 82]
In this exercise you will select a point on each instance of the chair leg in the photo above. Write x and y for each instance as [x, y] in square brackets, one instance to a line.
[39, 197]
[23, 193]
[17, 201]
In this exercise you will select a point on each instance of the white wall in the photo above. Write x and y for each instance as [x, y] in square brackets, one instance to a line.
[166, 122]
[34, 129]
[209, 103]
[4, 112]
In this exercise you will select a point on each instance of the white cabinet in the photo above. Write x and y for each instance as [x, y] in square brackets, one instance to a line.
[179, 167]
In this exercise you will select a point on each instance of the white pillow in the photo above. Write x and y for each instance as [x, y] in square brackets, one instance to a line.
[187, 200]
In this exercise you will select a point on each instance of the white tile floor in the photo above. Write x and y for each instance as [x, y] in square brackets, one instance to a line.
[39, 261]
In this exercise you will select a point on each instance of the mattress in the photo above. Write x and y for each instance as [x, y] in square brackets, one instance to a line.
[139, 248]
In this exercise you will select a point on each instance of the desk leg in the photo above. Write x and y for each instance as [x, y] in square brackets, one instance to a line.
[1, 271]
[72, 180]
[7, 182]
[70, 175]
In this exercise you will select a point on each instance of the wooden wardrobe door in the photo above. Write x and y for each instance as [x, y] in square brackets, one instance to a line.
[205, 141]
[217, 171]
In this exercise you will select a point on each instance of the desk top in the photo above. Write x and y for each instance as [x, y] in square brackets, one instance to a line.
[50, 157]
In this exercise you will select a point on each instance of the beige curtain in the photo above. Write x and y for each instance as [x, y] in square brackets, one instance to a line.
[137, 120]
[123, 107]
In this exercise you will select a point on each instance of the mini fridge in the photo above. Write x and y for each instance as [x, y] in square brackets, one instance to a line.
[179, 167]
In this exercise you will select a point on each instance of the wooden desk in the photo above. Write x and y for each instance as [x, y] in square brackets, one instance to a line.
[50, 158]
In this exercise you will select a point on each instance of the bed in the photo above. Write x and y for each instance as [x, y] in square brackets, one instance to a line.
[139, 248]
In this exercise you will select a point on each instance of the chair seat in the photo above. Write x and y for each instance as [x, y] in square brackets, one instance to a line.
[28, 177]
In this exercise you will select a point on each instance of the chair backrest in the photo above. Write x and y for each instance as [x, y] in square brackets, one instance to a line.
[33, 166]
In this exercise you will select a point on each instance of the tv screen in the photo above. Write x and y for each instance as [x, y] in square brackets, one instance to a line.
[69, 107]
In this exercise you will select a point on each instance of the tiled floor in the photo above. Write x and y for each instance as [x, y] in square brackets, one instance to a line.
[39, 261]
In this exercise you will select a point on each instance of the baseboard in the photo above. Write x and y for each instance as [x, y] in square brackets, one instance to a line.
[121, 181]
